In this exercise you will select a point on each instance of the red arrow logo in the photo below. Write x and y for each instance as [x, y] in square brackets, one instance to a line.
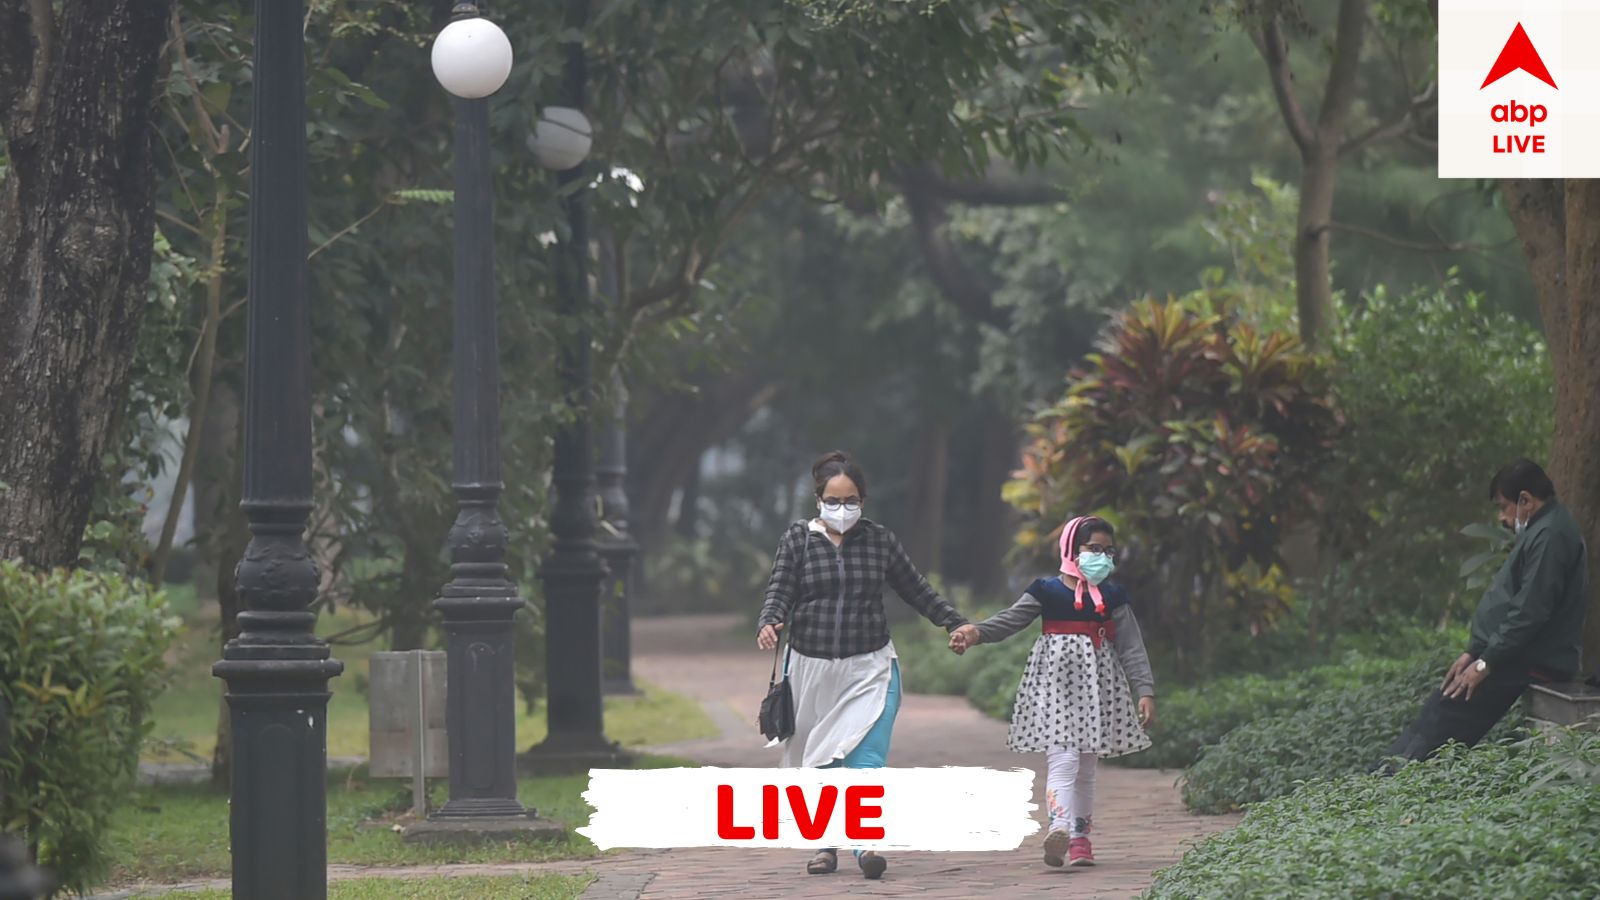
[1518, 53]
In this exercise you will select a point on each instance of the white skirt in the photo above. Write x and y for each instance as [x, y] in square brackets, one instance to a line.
[1076, 696]
[836, 702]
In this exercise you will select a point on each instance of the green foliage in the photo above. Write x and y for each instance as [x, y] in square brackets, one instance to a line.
[1201, 436]
[80, 665]
[1495, 821]
[1196, 717]
[1440, 393]
[1338, 727]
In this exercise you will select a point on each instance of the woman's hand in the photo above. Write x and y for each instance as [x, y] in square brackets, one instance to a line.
[1147, 711]
[768, 636]
[964, 637]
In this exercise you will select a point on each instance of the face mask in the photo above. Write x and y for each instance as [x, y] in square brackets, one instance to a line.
[841, 519]
[1521, 523]
[1096, 567]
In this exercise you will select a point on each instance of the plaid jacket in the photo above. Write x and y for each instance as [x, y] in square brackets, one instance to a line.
[830, 599]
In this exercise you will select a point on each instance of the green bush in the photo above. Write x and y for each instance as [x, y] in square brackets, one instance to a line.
[80, 664]
[1344, 724]
[1193, 718]
[1504, 820]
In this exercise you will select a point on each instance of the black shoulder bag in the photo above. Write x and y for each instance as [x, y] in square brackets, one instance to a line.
[777, 708]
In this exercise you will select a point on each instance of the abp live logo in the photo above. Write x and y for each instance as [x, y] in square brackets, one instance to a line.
[1519, 89]
[1519, 54]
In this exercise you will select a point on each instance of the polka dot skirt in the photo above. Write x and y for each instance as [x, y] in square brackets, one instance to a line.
[1074, 695]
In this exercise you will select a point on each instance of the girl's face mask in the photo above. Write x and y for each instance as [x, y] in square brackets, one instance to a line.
[1096, 567]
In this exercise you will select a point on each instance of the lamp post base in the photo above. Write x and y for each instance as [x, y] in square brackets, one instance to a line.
[566, 754]
[526, 828]
[620, 687]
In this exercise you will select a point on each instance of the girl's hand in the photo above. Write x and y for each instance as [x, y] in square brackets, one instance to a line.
[1147, 711]
[768, 637]
[964, 637]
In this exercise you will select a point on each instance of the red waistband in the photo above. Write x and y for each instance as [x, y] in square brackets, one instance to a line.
[1099, 632]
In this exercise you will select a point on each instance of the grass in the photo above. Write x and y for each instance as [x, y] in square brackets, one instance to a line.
[174, 833]
[185, 716]
[516, 887]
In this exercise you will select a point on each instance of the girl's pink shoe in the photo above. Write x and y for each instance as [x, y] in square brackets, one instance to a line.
[1080, 853]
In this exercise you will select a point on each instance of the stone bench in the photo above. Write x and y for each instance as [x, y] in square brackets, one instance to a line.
[1564, 705]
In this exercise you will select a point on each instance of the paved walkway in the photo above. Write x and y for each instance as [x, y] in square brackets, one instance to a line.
[1140, 822]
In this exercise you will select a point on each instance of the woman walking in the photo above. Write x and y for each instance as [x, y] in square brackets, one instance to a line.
[826, 595]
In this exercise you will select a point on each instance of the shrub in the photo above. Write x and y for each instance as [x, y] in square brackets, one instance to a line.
[1414, 463]
[1345, 725]
[80, 664]
[1201, 434]
[1496, 821]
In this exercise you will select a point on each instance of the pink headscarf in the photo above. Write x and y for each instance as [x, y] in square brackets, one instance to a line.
[1069, 566]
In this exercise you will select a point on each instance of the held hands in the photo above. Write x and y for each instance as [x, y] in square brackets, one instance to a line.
[964, 637]
[767, 638]
[1147, 711]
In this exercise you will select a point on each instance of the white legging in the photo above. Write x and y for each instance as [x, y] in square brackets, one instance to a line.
[1069, 790]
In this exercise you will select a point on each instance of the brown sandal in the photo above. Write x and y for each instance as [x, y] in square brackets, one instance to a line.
[826, 862]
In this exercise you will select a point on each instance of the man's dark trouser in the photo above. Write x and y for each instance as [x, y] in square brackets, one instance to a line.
[1443, 719]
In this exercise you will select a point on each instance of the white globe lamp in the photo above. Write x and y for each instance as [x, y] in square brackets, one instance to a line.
[561, 138]
[471, 56]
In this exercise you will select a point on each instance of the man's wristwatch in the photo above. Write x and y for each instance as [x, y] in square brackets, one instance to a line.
[1481, 666]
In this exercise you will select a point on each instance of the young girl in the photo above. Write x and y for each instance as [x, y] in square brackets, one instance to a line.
[1073, 702]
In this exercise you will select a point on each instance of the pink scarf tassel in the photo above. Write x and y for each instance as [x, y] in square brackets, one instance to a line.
[1069, 566]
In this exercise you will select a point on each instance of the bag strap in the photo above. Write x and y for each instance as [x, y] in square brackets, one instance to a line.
[777, 650]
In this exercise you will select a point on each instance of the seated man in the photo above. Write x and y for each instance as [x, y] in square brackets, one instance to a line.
[1528, 627]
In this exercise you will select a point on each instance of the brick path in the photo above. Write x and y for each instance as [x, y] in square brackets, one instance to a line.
[1140, 822]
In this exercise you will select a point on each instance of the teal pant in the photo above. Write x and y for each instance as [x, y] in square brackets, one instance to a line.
[873, 751]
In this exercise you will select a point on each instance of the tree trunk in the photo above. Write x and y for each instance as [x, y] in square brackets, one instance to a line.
[1313, 279]
[215, 488]
[76, 230]
[930, 479]
[1559, 228]
[995, 519]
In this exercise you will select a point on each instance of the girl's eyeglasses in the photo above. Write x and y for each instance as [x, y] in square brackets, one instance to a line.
[834, 504]
[1108, 549]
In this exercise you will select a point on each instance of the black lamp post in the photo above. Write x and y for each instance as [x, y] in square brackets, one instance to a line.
[277, 669]
[574, 571]
[479, 605]
[617, 546]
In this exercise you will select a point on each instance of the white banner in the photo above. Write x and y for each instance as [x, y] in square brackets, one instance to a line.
[1519, 89]
[942, 809]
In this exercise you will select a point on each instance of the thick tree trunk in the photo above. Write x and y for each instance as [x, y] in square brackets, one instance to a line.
[76, 231]
[1313, 279]
[216, 492]
[995, 520]
[1559, 228]
[929, 480]
[688, 523]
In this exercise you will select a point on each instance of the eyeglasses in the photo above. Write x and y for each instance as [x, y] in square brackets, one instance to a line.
[833, 503]
[1108, 549]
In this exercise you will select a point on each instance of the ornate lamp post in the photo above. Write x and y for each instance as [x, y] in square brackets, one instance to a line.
[617, 546]
[277, 669]
[573, 572]
[472, 59]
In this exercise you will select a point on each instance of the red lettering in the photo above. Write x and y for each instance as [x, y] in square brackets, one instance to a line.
[812, 828]
[725, 827]
[854, 812]
[1538, 143]
[1519, 143]
[769, 812]
[1516, 112]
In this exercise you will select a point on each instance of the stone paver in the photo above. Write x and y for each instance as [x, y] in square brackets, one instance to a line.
[1140, 822]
